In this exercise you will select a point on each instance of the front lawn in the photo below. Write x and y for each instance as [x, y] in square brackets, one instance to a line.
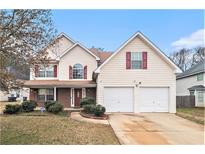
[194, 114]
[44, 128]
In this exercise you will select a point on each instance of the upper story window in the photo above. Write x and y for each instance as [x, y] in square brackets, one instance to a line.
[46, 71]
[136, 60]
[200, 77]
[78, 71]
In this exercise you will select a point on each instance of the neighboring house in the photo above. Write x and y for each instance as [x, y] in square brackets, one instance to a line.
[137, 77]
[18, 93]
[191, 82]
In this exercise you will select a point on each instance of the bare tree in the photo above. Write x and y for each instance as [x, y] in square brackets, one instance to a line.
[23, 37]
[199, 55]
[186, 58]
[182, 58]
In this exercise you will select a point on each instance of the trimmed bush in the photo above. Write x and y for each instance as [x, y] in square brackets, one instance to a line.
[99, 110]
[12, 109]
[87, 101]
[90, 109]
[55, 108]
[28, 106]
[47, 104]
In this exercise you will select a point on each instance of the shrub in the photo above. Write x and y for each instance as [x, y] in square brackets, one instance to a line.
[12, 109]
[87, 101]
[89, 108]
[28, 106]
[47, 104]
[99, 110]
[55, 108]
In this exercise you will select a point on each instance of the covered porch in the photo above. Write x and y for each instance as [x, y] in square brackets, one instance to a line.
[69, 93]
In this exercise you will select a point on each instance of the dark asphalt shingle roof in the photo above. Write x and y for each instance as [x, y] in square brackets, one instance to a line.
[196, 69]
[197, 87]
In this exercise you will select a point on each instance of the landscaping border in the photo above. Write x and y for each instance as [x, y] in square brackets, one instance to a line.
[104, 117]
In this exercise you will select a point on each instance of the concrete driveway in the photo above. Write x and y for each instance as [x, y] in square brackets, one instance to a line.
[155, 128]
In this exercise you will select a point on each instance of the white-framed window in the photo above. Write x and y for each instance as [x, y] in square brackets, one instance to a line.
[136, 60]
[78, 71]
[200, 96]
[46, 94]
[200, 77]
[42, 72]
[46, 71]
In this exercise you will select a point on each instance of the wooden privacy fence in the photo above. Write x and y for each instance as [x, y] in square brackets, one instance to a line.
[185, 101]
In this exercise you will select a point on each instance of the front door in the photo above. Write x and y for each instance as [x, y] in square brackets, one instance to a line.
[78, 96]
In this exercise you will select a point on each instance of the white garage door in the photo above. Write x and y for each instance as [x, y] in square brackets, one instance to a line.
[154, 99]
[118, 99]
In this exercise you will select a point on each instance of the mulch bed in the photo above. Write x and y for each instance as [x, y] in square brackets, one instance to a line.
[92, 116]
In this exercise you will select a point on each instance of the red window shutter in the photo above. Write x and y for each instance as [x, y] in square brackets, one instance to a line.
[70, 72]
[85, 72]
[36, 71]
[55, 70]
[144, 60]
[128, 60]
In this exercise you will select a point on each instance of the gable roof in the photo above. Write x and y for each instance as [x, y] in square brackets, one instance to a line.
[196, 69]
[66, 36]
[58, 37]
[78, 44]
[170, 62]
[103, 55]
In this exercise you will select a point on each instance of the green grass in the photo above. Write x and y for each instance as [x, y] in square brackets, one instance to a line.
[194, 114]
[32, 128]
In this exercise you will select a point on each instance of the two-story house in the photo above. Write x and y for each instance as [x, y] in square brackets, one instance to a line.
[191, 82]
[137, 77]
[68, 76]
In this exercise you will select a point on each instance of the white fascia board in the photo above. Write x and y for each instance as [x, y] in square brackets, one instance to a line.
[74, 45]
[66, 36]
[68, 50]
[177, 69]
[96, 57]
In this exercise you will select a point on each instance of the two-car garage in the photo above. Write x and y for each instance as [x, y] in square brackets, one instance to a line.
[148, 99]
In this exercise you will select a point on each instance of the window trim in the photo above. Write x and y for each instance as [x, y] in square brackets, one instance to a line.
[45, 69]
[141, 60]
[45, 95]
[74, 69]
[200, 75]
[202, 94]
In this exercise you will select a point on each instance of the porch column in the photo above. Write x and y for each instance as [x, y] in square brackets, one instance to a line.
[54, 93]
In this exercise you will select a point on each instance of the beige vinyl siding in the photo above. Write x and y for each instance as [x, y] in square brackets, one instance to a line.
[187, 82]
[76, 55]
[60, 47]
[54, 52]
[157, 74]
